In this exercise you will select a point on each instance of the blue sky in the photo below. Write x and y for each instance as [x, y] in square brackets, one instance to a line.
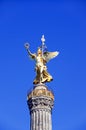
[64, 25]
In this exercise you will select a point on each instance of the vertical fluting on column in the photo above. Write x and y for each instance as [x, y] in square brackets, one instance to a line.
[50, 121]
[36, 120]
[39, 123]
[40, 120]
[44, 120]
[31, 121]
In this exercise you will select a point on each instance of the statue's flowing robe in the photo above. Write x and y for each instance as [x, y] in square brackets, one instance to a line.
[41, 71]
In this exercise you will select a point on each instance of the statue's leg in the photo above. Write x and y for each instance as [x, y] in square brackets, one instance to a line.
[37, 79]
[41, 74]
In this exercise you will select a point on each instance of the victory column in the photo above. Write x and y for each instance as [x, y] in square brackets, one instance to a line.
[40, 100]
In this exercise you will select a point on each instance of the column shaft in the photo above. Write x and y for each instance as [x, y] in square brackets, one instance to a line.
[44, 120]
[36, 121]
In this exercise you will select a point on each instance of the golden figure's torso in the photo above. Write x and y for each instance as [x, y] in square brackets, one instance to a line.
[39, 61]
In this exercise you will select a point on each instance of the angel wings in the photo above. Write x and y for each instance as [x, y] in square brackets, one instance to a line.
[50, 55]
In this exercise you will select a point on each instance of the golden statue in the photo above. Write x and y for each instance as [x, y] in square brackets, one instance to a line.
[41, 58]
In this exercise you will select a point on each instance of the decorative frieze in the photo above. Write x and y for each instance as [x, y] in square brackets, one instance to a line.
[40, 103]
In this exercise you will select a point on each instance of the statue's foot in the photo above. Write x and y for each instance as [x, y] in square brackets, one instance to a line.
[35, 82]
[44, 80]
[49, 79]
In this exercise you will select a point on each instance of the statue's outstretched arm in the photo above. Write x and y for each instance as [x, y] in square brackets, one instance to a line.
[32, 56]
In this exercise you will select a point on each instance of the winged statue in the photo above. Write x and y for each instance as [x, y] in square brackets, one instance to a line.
[41, 58]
